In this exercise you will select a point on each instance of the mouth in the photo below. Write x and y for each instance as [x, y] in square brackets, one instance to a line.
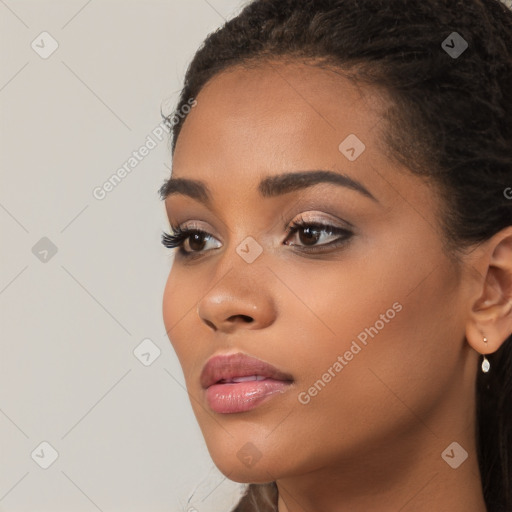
[242, 379]
[239, 383]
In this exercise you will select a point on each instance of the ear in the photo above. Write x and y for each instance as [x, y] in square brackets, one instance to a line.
[491, 308]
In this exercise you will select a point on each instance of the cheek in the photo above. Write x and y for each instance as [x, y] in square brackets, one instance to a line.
[169, 304]
[178, 303]
[391, 321]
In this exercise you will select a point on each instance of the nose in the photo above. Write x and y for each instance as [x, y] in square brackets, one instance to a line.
[237, 302]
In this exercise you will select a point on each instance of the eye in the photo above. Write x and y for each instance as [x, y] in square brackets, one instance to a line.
[195, 239]
[310, 233]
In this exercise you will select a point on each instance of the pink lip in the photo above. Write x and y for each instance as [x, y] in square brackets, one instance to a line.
[225, 396]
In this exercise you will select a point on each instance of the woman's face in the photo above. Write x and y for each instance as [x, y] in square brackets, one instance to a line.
[366, 323]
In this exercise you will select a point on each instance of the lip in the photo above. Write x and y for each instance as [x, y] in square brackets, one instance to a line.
[226, 396]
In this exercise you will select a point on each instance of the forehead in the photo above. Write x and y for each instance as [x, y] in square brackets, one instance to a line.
[250, 124]
[273, 117]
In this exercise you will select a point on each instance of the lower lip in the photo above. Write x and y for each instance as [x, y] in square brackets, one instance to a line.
[234, 397]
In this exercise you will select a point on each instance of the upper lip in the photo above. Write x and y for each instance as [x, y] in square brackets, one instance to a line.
[227, 367]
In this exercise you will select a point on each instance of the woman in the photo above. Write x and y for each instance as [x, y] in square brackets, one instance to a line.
[341, 300]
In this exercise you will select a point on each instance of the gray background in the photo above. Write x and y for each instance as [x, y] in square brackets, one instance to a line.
[124, 432]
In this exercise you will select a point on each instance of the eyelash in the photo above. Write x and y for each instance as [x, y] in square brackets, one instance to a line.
[178, 238]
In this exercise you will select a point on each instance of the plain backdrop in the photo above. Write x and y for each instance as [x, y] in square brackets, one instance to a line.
[81, 278]
[93, 410]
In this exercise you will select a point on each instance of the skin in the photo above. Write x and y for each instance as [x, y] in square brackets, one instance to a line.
[372, 439]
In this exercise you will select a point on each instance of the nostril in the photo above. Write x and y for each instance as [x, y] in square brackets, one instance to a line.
[245, 318]
[210, 324]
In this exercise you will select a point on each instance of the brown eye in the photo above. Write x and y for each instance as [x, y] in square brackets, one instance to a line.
[310, 234]
[196, 241]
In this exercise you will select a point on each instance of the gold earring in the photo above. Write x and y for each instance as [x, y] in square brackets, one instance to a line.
[485, 363]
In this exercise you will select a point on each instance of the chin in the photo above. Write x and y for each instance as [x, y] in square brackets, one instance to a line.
[244, 464]
[246, 475]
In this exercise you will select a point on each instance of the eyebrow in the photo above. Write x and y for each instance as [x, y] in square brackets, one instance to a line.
[271, 186]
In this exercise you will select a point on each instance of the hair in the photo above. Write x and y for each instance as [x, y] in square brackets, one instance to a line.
[449, 119]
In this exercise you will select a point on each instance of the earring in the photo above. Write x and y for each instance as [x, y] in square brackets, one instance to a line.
[485, 363]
